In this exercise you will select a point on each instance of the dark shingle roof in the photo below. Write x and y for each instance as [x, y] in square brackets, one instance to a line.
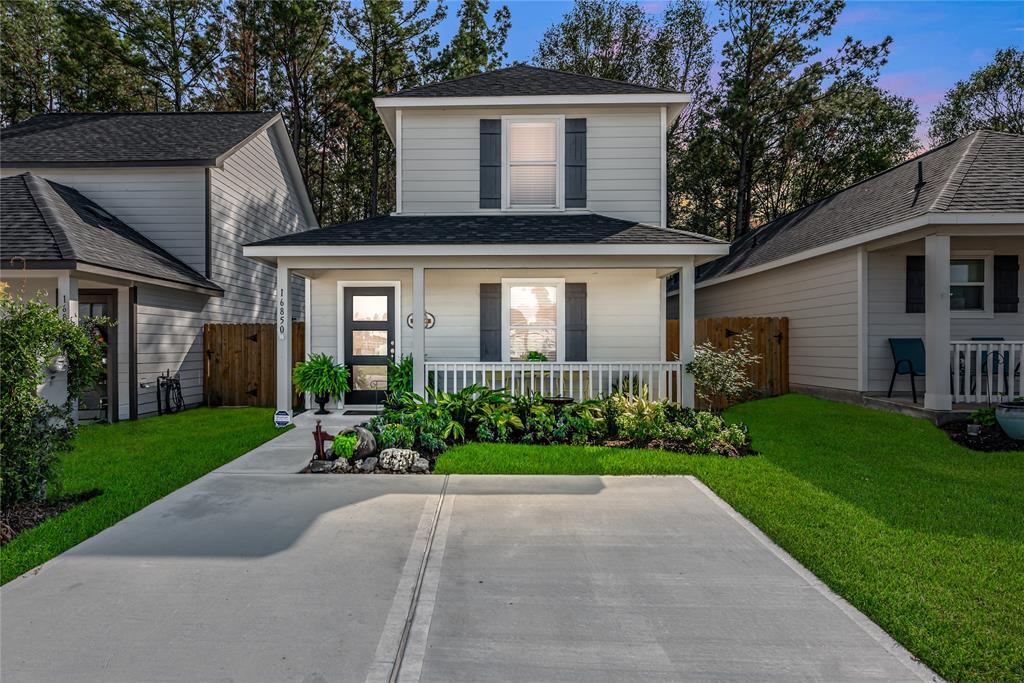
[127, 139]
[983, 171]
[490, 229]
[522, 79]
[44, 221]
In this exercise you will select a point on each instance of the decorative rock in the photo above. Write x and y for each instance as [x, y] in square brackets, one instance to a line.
[367, 465]
[420, 465]
[342, 465]
[366, 445]
[397, 459]
[318, 466]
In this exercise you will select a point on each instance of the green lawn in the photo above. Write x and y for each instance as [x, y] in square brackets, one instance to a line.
[134, 464]
[923, 536]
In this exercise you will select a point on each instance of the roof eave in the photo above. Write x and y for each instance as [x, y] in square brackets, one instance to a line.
[116, 273]
[387, 105]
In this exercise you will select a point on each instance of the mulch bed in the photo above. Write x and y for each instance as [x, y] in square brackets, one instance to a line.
[31, 514]
[990, 439]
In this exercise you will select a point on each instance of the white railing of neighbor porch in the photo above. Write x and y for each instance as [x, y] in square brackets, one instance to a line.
[581, 381]
[986, 371]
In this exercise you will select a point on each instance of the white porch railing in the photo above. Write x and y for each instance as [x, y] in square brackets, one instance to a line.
[581, 381]
[986, 371]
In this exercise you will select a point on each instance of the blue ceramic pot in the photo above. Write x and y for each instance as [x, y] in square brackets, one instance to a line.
[1010, 417]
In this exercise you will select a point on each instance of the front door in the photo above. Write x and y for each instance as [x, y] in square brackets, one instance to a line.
[99, 402]
[370, 331]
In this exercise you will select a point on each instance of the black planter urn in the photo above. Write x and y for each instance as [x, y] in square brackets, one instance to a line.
[322, 401]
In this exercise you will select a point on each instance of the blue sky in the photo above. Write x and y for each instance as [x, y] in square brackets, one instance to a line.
[934, 45]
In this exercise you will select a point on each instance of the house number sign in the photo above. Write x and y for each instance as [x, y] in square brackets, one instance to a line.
[282, 314]
[428, 320]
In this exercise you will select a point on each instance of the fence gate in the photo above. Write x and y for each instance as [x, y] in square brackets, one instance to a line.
[240, 363]
[770, 342]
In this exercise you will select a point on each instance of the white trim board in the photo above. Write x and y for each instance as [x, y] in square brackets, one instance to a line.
[340, 309]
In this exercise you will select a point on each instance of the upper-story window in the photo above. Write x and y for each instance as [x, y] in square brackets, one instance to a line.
[533, 162]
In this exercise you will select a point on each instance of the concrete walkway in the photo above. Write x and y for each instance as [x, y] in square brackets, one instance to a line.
[253, 573]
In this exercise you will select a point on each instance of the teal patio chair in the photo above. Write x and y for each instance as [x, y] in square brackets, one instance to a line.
[907, 359]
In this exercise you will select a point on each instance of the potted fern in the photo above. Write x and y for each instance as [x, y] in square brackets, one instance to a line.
[322, 377]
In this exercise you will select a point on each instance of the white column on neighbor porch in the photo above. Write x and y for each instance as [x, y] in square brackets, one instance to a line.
[283, 322]
[686, 331]
[67, 303]
[936, 334]
[419, 330]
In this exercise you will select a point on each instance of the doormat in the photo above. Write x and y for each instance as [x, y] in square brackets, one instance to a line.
[361, 412]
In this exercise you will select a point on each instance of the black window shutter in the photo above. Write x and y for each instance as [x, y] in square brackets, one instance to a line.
[575, 321]
[915, 284]
[575, 163]
[490, 321]
[490, 163]
[1005, 284]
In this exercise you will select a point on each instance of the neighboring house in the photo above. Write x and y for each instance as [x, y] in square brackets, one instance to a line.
[141, 217]
[930, 249]
[531, 217]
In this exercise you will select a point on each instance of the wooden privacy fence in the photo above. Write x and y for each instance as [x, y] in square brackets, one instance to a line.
[240, 363]
[770, 338]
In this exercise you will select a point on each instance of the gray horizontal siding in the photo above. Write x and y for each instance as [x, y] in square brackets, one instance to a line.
[819, 296]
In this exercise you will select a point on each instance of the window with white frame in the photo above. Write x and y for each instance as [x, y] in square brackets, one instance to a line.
[534, 319]
[533, 162]
[970, 286]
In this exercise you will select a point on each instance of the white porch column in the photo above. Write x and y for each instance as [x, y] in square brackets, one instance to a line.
[284, 340]
[686, 331]
[936, 334]
[419, 330]
[67, 304]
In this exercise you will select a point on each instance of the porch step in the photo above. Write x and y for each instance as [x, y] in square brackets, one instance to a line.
[905, 406]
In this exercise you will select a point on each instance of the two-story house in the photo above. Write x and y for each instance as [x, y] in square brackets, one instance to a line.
[142, 218]
[528, 249]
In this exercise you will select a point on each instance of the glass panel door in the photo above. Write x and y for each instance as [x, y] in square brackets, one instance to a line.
[99, 402]
[369, 329]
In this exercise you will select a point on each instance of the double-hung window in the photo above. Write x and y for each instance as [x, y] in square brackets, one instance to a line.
[970, 284]
[533, 162]
[534, 318]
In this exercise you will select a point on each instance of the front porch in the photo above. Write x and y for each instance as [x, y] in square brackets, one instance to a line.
[582, 330]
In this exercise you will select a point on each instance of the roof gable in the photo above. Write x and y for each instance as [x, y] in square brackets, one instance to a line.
[44, 221]
[129, 139]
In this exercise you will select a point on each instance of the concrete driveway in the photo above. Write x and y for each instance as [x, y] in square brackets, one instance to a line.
[253, 573]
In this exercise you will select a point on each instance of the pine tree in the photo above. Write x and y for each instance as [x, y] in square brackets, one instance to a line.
[476, 46]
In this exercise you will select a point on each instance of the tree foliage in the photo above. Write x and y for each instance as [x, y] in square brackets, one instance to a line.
[34, 432]
[477, 46]
[992, 97]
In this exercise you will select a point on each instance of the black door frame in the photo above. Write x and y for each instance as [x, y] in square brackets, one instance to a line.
[368, 397]
[108, 297]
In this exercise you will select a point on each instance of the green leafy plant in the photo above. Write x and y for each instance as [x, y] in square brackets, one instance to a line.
[638, 419]
[986, 417]
[344, 445]
[321, 376]
[707, 432]
[723, 375]
[396, 436]
[34, 432]
[400, 376]
[535, 357]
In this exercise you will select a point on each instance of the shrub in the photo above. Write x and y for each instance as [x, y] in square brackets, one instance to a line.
[34, 432]
[638, 419]
[584, 422]
[396, 436]
[707, 432]
[986, 417]
[321, 376]
[723, 374]
[399, 379]
[344, 445]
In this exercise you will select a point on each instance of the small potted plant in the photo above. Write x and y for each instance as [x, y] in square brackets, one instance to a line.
[322, 377]
[1010, 417]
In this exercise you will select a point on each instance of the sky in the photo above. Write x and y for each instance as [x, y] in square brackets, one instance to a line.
[935, 44]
